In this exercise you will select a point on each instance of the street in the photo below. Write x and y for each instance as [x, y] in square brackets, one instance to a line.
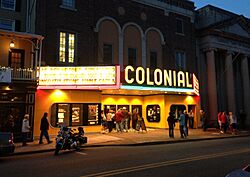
[213, 158]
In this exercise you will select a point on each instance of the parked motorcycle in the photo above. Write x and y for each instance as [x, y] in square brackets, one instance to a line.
[69, 139]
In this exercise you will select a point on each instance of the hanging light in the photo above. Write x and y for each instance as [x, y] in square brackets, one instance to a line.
[12, 44]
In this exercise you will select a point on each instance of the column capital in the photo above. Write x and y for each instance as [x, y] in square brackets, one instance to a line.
[209, 49]
[230, 52]
[244, 55]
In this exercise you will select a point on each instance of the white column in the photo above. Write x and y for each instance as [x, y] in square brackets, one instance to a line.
[144, 50]
[211, 84]
[121, 50]
[230, 82]
[246, 87]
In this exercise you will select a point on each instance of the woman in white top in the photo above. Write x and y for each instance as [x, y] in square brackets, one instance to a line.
[25, 129]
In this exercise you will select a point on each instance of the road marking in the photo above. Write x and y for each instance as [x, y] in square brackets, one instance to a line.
[166, 163]
[81, 153]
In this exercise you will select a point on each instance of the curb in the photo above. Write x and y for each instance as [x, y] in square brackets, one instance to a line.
[134, 144]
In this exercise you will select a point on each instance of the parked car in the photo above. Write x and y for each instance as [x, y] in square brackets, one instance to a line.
[245, 172]
[7, 146]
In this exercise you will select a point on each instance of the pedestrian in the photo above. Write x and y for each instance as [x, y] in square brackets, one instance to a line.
[126, 119]
[171, 124]
[109, 116]
[103, 122]
[233, 122]
[10, 123]
[191, 119]
[140, 125]
[134, 119]
[182, 124]
[219, 120]
[224, 122]
[203, 119]
[25, 129]
[186, 122]
[118, 120]
[44, 127]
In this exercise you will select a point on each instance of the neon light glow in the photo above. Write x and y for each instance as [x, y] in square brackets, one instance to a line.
[90, 78]
[164, 89]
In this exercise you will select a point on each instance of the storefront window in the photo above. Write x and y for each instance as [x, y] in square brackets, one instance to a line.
[153, 113]
[75, 114]
[93, 114]
[176, 108]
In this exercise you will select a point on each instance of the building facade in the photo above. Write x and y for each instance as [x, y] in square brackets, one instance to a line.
[19, 57]
[158, 35]
[223, 50]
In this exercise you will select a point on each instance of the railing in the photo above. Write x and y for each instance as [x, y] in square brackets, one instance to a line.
[23, 74]
[7, 74]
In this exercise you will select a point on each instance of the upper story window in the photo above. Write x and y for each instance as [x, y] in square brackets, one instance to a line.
[7, 24]
[179, 26]
[107, 53]
[68, 4]
[180, 60]
[132, 56]
[8, 4]
[67, 48]
[153, 60]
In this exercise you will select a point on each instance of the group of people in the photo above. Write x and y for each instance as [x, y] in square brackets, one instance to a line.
[185, 119]
[121, 120]
[227, 121]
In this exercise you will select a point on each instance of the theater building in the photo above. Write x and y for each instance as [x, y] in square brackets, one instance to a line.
[152, 37]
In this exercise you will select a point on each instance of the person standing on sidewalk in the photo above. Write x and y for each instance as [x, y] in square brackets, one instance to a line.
[171, 124]
[44, 127]
[25, 129]
[191, 119]
[182, 124]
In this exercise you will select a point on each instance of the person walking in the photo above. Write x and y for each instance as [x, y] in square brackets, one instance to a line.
[191, 119]
[219, 120]
[171, 124]
[44, 127]
[224, 122]
[182, 124]
[25, 129]
[109, 116]
[232, 122]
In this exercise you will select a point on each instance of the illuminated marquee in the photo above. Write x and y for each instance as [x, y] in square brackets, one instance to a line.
[161, 80]
[89, 77]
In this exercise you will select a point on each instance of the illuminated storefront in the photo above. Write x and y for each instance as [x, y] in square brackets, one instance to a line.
[75, 96]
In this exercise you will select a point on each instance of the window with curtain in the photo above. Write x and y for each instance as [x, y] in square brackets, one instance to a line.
[67, 48]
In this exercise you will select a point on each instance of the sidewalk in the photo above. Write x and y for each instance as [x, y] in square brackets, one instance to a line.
[152, 136]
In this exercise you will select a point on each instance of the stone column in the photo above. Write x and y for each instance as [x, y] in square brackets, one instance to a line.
[246, 86]
[230, 82]
[211, 85]
[121, 50]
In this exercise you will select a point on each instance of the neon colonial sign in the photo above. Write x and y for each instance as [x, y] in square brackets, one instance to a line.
[161, 80]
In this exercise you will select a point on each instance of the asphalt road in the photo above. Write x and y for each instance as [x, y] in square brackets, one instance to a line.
[213, 158]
